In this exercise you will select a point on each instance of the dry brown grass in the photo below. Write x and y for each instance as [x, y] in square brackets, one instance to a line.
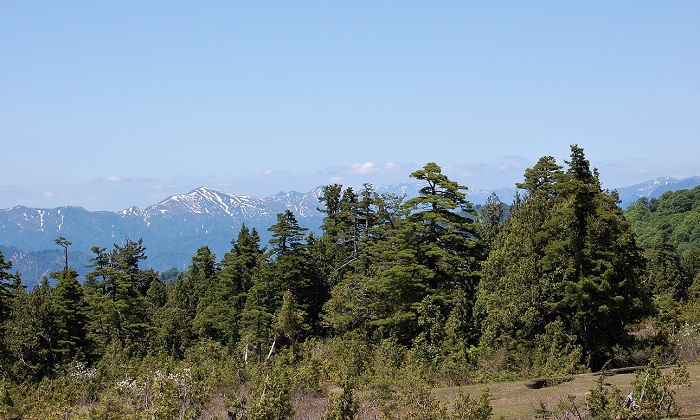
[515, 400]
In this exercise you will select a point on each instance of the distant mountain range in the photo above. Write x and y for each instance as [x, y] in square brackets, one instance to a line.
[175, 228]
[654, 188]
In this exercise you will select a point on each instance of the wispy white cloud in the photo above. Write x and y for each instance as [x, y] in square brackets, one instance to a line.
[275, 173]
[372, 168]
[116, 179]
[357, 174]
[503, 165]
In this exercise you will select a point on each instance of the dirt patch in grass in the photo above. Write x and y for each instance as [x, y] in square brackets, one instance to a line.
[519, 400]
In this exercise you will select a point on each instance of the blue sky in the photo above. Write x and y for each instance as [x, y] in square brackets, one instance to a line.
[112, 104]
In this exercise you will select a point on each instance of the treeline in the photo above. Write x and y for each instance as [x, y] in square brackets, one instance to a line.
[393, 296]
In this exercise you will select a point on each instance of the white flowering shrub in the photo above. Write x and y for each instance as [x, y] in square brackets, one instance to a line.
[687, 343]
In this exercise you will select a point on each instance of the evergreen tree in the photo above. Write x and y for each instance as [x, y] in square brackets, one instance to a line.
[289, 320]
[235, 278]
[344, 224]
[6, 280]
[29, 336]
[447, 242]
[290, 266]
[512, 294]
[593, 254]
[666, 274]
[202, 278]
[567, 255]
[185, 315]
[173, 321]
[382, 285]
[257, 316]
[287, 270]
[489, 221]
[287, 235]
[69, 310]
[116, 292]
[331, 198]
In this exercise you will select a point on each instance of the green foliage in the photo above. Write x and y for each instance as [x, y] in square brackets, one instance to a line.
[29, 334]
[69, 312]
[7, 405]
[6, 286]
[5, 282]
[566, 253]
[419, 403]
[490, 220]
[677, 213]
[116, 292]
[653, 396]
[556, 352]
[666, 273]
[606, 402]
[345, 357]
[235, 278]
[424, 247]
[656, 390]
[272, 399]
[342, 406]
[289, 320]
[392, 298]
[467, 408]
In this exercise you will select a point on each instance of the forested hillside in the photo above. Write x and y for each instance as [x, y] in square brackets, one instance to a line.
[677, 213]
[394, 296]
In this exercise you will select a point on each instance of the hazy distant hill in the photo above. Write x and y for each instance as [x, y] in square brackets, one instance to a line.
[175, 228]
[654, 188]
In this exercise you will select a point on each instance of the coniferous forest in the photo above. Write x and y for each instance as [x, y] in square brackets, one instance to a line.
[395, 296]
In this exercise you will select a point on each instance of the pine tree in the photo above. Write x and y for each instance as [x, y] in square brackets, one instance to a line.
[489, 221]
[289, 320]
[69, 310]
[593, 254]
[29, 334]
[116, 292]
[233, 281]
[257, 316]
[287, 235]
[290, 266]
[566, 255]
[6, 280]
[185, 315]
[664, 267]
[448, 245]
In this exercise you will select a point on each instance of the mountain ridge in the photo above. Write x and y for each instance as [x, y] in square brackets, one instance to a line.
[653, 188]
[174, 228]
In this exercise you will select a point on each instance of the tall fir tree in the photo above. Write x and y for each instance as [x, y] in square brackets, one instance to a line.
[30, 333]
[239, 267]
[69, 310]
[567, 255]
[6, 281]
[448, 245]
[116, 293]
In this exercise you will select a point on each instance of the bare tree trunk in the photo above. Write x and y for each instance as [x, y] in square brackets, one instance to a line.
[272, 347]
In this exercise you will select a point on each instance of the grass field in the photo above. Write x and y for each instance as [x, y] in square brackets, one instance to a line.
[515, 400]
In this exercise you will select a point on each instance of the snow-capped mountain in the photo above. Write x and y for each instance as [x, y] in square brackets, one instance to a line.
[215, 203]
[654, 188]
[173, 229]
